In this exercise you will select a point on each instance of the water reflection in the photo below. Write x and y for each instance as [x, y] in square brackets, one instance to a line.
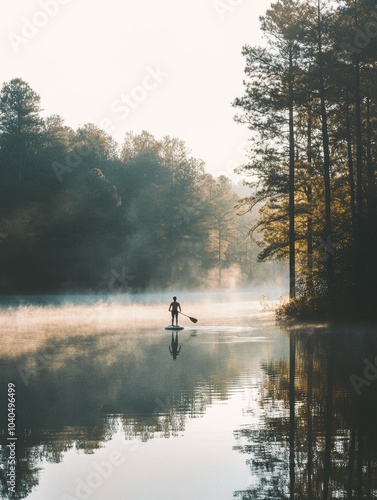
[317, 437]
[174, 348]
[75, 393]
[307, 429]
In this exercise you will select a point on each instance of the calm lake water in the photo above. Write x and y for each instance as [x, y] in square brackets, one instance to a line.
[110, 406]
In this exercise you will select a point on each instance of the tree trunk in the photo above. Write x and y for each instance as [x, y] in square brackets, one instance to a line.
[371, 192]
[309, 199]
[292, 370]
[219, 256]
[351, 463]
[328, 418]
[309, 423]
[350, 163]
[359, 154]
[327, 240]
[292, 258]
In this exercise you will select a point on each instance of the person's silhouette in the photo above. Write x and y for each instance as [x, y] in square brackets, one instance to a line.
[174, 306]
[173, 348]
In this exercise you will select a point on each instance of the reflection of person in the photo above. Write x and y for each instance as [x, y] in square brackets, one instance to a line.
[174, 349]
[174, 306]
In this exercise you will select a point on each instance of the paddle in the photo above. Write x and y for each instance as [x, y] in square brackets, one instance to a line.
[194, 320]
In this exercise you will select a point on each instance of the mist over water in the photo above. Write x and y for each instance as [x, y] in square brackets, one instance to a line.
[203, 413]
[124, 310]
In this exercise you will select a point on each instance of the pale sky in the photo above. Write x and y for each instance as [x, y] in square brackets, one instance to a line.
[171, 67]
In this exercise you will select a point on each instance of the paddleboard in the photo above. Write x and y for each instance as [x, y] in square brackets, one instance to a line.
[174, 328]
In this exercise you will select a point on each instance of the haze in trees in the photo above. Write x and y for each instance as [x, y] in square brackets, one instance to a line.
[310, 102]
[80, 213]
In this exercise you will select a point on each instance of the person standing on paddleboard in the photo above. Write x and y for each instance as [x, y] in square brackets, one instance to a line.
[174, 306]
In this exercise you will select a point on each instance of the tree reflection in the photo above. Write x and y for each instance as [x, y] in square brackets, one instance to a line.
[77, 394]
[316, 438]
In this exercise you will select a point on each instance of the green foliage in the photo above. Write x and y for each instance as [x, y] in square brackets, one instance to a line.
[80, 213]
[334, 114]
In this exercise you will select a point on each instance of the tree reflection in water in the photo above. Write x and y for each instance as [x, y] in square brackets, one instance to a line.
[317, 438]
[91, 386]
[314, 437]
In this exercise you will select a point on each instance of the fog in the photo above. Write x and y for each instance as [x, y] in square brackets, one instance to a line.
[96, 373]
[138, 307]
[27, 322]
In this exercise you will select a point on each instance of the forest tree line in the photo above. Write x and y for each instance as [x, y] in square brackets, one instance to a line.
[78, 212]
[310, 101]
